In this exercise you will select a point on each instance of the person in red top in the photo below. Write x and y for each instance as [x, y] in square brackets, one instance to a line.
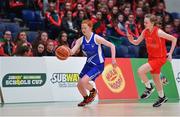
[157, 56]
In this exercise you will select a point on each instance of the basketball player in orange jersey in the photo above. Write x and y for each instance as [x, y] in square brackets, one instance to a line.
[92, 48]
[157, 55]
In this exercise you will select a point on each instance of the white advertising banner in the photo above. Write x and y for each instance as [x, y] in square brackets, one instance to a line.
[40, 79]
[63, 77]
[23, 79]
[176, 70]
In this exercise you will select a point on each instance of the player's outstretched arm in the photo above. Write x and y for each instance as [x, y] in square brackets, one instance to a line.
[76, 47]
[135, 42]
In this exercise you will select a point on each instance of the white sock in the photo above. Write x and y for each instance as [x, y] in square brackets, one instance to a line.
[148, 85]
[161, 93]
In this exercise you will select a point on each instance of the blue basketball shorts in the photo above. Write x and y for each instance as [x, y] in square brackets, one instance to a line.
[93, 71]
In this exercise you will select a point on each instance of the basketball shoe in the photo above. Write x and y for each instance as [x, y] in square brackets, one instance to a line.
[84, 102]
[147, 92]
[89, 99]
[160, 101]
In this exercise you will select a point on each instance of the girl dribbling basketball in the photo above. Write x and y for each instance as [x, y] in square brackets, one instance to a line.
[92, 48]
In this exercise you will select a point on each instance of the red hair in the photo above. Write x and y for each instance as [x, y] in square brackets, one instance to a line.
[88, 22]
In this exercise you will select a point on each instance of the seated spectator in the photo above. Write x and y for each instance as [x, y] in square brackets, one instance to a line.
[39, 50]
[120, 27]
[110, 4]
[79, 7]
[176, 25]
[167, 19]
[22, 38]
[50, 50]
[161, 10]
[8, 47]
[23, 50]
[63, 39]
[169, 29]
[126, 13]
[42, 38]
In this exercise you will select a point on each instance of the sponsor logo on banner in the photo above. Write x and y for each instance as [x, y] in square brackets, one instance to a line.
[178, 77]
[65, 79]
[116, 83]
[24, 80]
[113, 78]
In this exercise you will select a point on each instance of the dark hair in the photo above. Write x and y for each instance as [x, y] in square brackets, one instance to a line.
[20, 51]
[60, 40]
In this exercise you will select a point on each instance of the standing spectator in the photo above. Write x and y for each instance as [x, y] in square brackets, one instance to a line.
[112, 18]
[139, 19]
[131, 26]
[81, 15]
[99, 25]
[53, 21]
[70, 26]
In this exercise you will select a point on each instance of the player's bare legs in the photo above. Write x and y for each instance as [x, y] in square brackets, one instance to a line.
[85, 82]
[142, 71]
[159, 87]
[81, 89]
[84, 85]
[157, 81]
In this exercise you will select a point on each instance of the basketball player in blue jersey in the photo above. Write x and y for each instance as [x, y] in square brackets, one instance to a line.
[92, 48]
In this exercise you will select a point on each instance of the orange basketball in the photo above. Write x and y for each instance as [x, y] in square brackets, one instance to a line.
[62, 52]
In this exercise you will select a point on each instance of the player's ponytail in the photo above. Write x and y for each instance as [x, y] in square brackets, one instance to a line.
[152, 18]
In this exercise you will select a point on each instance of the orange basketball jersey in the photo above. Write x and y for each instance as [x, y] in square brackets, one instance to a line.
[156, 46]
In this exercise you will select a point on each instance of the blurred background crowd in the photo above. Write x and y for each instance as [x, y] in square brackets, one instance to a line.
[38, 27]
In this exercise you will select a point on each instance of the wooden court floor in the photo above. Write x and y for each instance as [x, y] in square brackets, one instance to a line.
[104, 108]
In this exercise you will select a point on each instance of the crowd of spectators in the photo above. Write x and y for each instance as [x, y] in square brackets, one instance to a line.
[58, 22]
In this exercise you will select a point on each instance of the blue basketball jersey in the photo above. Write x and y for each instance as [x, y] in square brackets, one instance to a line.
[92, 50]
